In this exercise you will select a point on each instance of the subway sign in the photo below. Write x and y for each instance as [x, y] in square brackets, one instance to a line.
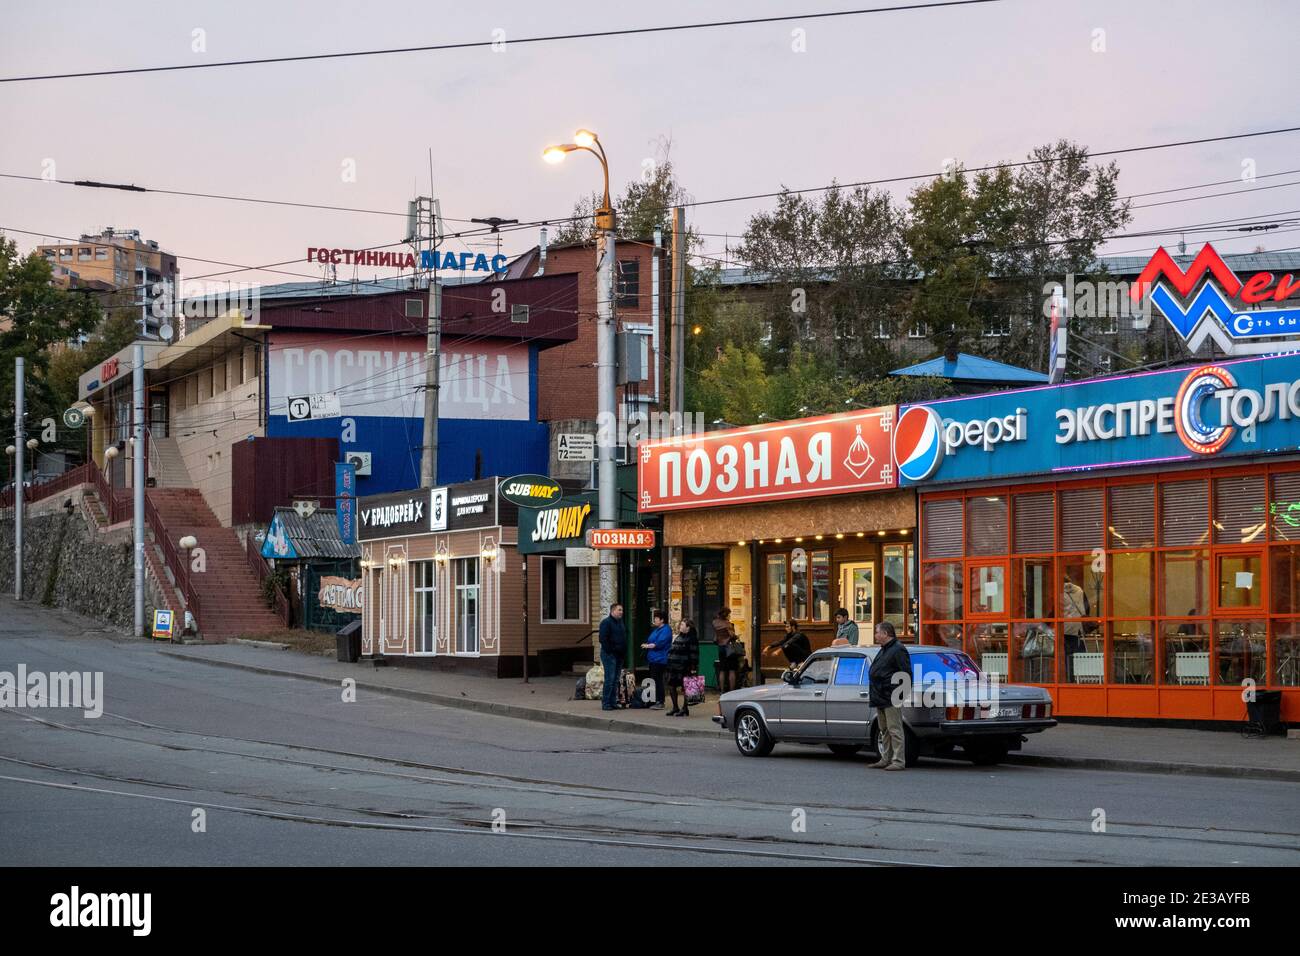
[1216, 410]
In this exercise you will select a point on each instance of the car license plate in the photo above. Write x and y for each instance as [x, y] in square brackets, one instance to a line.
[1011, 711]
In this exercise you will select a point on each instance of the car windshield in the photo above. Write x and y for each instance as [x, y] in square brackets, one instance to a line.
[816, 670]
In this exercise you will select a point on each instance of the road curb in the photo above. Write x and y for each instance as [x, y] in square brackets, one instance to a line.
[538, 715]
[534, 714]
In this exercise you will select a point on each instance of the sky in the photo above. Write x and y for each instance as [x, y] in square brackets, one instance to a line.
[748, 109]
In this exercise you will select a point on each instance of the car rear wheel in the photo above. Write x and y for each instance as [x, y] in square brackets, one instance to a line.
[844, 750]
[986, 753]
[911, 749]
[752, 738]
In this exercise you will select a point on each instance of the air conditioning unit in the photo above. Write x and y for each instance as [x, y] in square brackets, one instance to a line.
[361, 461]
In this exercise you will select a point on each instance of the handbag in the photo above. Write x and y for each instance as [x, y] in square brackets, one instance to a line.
[730, 650]
[694, 689]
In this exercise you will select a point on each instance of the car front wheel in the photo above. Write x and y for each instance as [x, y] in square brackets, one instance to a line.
[752, 738]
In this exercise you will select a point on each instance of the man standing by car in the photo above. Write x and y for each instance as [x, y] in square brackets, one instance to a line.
[890, 660]
[613, 652]
[846, 629]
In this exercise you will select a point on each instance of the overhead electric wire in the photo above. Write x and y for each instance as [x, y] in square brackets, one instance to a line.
[490, 44]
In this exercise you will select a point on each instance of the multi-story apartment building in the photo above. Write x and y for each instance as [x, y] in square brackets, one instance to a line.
[121, 260]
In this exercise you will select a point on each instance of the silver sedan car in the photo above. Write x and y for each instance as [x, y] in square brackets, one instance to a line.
[826, 701]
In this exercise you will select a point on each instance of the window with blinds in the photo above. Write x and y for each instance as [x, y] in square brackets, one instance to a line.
[1184, 515]
[1080, 510]
[1284, 494]
[1034, 520]
[1239, 509]
[986, 525]
[1132, 516]
[943, 528]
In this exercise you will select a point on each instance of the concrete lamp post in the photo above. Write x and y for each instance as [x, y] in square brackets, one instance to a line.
[187, 544]
[607, 495]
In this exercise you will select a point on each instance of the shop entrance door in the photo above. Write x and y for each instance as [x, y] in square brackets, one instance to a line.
[858, 592]
[702, 579]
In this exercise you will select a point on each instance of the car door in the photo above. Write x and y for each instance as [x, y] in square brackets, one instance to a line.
[848, 705]
[803, 705]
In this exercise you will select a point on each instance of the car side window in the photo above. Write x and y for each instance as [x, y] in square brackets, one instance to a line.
[818, 670]
[850, 670]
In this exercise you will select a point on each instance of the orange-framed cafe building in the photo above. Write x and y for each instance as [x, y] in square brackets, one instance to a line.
[1132, 544]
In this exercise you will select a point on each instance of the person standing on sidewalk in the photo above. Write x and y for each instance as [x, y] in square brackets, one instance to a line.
[613, 652]
[891, 659]
[661, 638]
[683, 661]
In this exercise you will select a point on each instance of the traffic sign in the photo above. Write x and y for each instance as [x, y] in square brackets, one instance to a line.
[304, 408]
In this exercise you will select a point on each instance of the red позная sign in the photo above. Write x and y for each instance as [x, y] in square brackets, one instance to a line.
[809, 457]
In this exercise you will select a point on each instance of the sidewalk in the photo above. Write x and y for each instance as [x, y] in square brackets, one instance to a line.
[549, 699]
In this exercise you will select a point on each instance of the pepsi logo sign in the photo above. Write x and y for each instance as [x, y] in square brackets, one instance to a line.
[918, 443]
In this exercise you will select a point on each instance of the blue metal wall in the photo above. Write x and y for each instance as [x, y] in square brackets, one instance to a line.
[507, 447]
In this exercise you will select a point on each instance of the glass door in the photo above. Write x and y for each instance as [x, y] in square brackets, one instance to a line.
[467, 609]
[858, 592]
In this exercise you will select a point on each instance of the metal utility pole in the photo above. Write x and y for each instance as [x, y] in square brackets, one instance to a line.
[19, 445]
[677, 399]
[429, 459]
[137, 481]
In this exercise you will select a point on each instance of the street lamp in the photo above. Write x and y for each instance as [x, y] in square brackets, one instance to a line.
[32, 443]
[587, 141]
[10, 450]
[187, 544]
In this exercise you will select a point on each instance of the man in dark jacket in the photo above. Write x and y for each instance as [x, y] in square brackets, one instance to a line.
[613, 652]
[891, 659]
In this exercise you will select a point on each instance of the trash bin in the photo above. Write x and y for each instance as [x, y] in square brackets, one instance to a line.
[347, 643]
[1264, 713]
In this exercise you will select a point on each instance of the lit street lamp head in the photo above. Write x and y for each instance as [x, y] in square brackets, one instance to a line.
[585, 138]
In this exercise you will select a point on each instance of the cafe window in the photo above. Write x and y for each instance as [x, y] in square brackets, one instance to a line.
[1185, 591]
[1184, 513]
[467, 605]
[1132, 516]
[986, 525]
[988, 645]
[1080, 519]
[942, 528]
[1241, 584]
[564, 592]
[426, 627]
[1286, 654]
[1035, 523]
[1239, 651]
[1034, 652]
[1284, 505]
[1239, 509]
[941, 591]
[777, 583]
[1132, 653]
[820, 562]
[899, 590]
[1133, 583]
[1185, 651]
[987, 591]
[1034, 594]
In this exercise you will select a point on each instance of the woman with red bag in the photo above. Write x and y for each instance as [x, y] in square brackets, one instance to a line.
[683, 660]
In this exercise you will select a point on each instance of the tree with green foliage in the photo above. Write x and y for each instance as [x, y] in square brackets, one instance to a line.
[36, 320]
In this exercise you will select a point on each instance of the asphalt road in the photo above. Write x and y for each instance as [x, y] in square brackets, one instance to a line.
[284, 771]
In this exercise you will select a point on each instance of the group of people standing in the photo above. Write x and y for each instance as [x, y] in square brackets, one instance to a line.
[673, 654]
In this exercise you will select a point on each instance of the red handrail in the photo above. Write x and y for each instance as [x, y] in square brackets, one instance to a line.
[259, 567]
[174, 559]
[118, 507]
[35, 492]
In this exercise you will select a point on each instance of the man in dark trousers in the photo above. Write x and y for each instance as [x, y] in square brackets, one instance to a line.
[891, 659]
[613, 652]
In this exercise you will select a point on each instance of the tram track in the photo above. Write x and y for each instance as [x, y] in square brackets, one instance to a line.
[444, 776]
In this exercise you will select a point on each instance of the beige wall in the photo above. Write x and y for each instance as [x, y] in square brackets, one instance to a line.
[210, 410]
